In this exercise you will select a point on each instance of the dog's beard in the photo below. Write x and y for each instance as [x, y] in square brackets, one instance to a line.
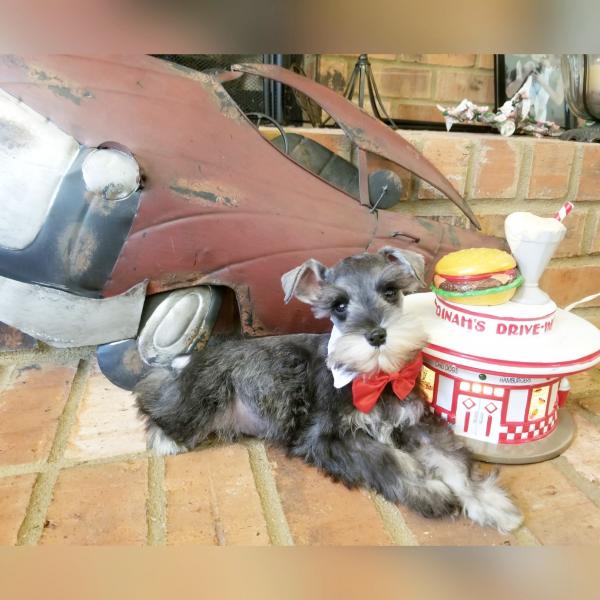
[404, 338]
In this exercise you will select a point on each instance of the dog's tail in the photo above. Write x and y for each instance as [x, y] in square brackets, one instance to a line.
[157, 395]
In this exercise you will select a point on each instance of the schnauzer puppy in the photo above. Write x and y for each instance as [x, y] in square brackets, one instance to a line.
[344, 403]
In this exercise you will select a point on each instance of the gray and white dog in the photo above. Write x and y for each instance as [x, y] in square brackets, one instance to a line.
[282, 390]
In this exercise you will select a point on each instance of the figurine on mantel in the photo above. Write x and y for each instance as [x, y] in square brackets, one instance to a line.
[499, 349]
[513, 115]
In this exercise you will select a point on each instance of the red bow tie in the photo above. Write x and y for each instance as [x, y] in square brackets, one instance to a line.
[366, 390]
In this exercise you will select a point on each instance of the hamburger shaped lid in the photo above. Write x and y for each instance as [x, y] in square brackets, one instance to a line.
[479, 276]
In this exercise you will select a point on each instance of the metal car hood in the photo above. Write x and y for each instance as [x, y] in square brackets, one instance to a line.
[220, 204]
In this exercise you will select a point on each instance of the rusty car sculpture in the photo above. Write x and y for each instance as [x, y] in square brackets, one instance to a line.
[140, 207]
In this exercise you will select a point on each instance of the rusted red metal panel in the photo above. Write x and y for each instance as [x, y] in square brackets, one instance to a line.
[367, 132]
[220, 203]
[426, 236]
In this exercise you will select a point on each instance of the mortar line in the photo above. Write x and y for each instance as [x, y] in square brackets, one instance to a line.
[490, 205]
[58, 356]
[434, 84]
[575, 261]
[591, 225]
[33, 524]
[588, 415]
[416, 102]
[525, 162]
[156, 503]
[67, 463]
[526, 537]
[575, 174]
[215, 513]
[590, 490]
[22, 469]
[35, 517]
[474, 155]
[473, 70]
[394, 522]
[69, 414]
[419, 67]
[264, 481]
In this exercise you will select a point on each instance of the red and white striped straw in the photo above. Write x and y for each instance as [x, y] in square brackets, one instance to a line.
[564, 211]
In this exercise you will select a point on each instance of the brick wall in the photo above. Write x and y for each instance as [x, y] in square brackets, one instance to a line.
[412, 84]
[498, 176]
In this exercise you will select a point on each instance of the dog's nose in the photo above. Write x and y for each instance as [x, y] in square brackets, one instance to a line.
[376, 337]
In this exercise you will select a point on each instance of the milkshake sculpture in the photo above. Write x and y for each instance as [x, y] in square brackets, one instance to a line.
[533, 241]
[497, 373]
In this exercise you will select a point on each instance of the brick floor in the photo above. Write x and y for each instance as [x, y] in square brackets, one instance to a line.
[74, 470]
[99, 504]
[14, 498]
[321, 512]
[29, 411]
[583, 453]
[555, 510]
[211, 499]
[107, 422]
[453, 532]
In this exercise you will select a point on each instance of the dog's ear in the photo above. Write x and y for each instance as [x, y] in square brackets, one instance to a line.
[304, 281]
[411, 261]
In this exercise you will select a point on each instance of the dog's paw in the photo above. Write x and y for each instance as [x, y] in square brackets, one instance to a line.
[509, 520]
[161, 444]
[492, 507]
[505, 519]
[435, 500]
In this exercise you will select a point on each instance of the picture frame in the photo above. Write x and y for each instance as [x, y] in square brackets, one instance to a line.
[549, 101]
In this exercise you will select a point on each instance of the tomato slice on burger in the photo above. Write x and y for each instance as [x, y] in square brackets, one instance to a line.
[478, 277]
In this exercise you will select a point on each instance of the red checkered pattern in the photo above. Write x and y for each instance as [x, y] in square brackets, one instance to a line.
[528, 431]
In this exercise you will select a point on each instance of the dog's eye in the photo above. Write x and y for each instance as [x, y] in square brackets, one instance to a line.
[339, 308]
[390, 293]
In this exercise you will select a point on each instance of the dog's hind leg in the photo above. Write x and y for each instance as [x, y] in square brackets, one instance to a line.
[177, 419]
[160, 443]
[359, 460]
[482, 501]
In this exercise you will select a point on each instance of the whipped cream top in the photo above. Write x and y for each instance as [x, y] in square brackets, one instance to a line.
[528, 227]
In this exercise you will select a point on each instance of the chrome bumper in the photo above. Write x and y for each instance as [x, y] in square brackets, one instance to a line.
[65, 320]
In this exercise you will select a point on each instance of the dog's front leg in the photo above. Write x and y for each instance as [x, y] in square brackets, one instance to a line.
[356, 459]
[442, 453]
